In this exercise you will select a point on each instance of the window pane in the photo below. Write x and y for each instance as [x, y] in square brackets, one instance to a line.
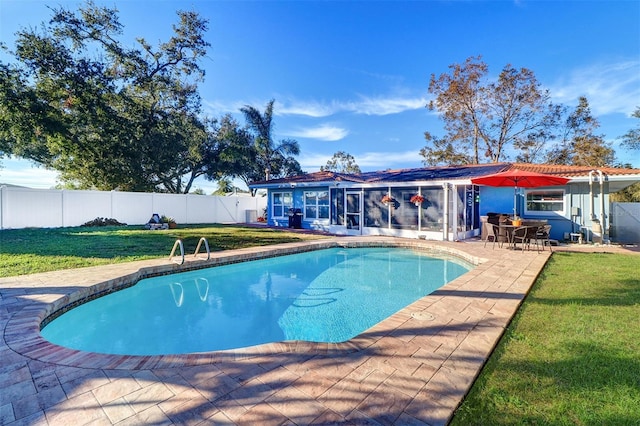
[310, 212]
[404, 215]
[432, 209]
[376, 214]
[277, 198]
[310, 197]
[337, 215]
[323, 212]
[545, 201]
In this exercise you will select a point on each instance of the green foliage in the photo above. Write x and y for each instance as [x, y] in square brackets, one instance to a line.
[342, 162]
[167, 219]
[28, 251]
[103, 221]
[441, 151]
[631, 139]
[103, 115]
[579, 145]
[570, 356]
[265, 159]
[630, 194]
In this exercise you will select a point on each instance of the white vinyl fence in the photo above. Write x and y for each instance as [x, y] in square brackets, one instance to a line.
[46, 208]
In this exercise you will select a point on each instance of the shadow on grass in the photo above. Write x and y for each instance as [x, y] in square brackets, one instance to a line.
[626, 293]
[134, 241]
[595, 384]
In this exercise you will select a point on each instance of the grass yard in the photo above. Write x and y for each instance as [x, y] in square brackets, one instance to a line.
[572, 354]
[27, 251]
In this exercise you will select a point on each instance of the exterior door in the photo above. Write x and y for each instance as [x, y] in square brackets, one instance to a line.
[354, 213]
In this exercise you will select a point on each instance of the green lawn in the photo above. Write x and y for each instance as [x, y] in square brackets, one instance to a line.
[572, 354]
[27, 251]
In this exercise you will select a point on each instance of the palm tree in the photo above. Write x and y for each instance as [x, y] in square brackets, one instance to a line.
[274, 158]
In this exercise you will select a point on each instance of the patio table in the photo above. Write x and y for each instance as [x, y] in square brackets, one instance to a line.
[508, 228]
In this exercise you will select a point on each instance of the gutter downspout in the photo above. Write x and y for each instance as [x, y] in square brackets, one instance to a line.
[602, 215]
[2, 191]
[591, 201]
[445, 225]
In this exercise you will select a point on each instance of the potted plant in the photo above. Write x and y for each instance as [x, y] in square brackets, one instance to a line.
[417, 199]
[386, 199]
[170, 222]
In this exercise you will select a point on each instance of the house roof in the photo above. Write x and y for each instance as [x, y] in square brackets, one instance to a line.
[463, 172]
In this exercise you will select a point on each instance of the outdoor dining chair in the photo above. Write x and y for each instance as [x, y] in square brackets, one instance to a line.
[542, 235]
[493, 234]
[524, 235]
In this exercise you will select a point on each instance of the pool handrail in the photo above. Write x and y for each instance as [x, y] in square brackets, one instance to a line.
[206, 245]
[178, 243]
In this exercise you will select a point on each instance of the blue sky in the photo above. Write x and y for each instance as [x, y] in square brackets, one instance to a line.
[353, 75]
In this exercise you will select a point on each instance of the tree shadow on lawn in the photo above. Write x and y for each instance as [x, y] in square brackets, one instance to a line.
[586, 382]
[626, 293]
[132, 241]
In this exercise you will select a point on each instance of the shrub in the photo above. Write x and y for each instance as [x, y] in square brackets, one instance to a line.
[103, 221]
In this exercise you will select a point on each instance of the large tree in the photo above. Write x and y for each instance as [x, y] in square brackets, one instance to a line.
[341, 162]
[485, 118]
[270, 159]
[104, 115]
[579, 144]
[631, 139]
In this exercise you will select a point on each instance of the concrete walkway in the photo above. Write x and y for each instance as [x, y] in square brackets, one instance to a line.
[413, 368]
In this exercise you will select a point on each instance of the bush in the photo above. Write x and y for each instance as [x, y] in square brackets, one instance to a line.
[103, 221]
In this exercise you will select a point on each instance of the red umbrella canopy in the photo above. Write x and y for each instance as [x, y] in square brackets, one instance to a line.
[517, 178]
[520, 179]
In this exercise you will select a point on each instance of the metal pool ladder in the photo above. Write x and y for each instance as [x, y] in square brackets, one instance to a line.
[178, 244]
[206, 245]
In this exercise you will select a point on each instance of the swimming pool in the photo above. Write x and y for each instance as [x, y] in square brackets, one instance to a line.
[328, 295]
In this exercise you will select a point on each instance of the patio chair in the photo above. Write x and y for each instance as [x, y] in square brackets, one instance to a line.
[493, 234]
[542, 235]
[524, 235]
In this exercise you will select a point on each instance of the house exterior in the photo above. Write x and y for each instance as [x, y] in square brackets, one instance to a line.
[450, 208]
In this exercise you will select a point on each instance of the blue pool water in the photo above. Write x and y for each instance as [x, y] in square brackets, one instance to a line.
[328, 295]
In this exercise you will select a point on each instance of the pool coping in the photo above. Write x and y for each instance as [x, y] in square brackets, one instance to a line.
[429, 352]
[36, 347]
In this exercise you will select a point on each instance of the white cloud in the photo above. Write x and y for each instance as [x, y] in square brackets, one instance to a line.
[609, 88]
[217, 108]
[385, 106]
[23, 173]
[389, 160]
[308, 109]
[368, 161]
[365, 105]
[323, 132]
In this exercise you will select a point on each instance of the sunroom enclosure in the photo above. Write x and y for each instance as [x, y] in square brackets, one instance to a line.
[443, 212]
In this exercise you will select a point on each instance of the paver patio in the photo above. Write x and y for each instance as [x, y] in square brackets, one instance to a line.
[413, 368]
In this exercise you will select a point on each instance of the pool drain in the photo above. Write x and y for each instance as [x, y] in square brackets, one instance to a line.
[423, 316]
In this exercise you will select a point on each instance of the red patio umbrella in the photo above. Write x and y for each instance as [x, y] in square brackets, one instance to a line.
[519, 179]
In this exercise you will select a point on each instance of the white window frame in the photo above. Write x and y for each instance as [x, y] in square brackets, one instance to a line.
[285, 207]
[316, 205]
[563, 197]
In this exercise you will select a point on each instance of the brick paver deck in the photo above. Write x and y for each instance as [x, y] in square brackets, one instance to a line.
[413, 368]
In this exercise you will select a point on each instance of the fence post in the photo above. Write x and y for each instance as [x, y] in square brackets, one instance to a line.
[2, 191]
